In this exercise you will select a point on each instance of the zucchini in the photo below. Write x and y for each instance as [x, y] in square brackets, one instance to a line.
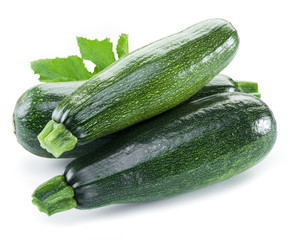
[34, 108]
[223, 83]
[196, 144]
[141, 84]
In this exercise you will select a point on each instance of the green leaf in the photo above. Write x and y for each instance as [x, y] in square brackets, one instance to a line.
[99, 52]
[67, 69]
[122, 46]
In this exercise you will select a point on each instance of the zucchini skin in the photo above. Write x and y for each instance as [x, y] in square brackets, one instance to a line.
[197, 144]
[148, 81]
[32, 111]
[34, 108]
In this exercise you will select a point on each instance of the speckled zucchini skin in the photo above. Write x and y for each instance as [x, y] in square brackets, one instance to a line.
[148, 81]
[34, 108]
[199, 143]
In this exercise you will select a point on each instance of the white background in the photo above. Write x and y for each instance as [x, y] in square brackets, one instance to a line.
[252, 205]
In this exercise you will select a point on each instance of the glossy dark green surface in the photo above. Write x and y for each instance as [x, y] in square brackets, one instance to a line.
[35, 106]
[196, 144]
[148, 81]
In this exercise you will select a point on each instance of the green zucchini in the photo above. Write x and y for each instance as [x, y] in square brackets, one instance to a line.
[34, 108]
[223, 83]
[140, 85]
[196, 144]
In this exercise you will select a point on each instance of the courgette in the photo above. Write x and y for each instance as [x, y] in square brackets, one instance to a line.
[141, 84]
[196, 144]
[34, 108]
[222, 84]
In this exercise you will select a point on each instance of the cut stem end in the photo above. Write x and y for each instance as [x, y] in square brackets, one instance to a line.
[56, 139]
[54, 196]
[246, 87]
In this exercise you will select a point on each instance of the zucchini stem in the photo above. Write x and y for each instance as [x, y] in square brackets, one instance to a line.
[256, 94]
[54, 196]
[246, 87]
[56, 139]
